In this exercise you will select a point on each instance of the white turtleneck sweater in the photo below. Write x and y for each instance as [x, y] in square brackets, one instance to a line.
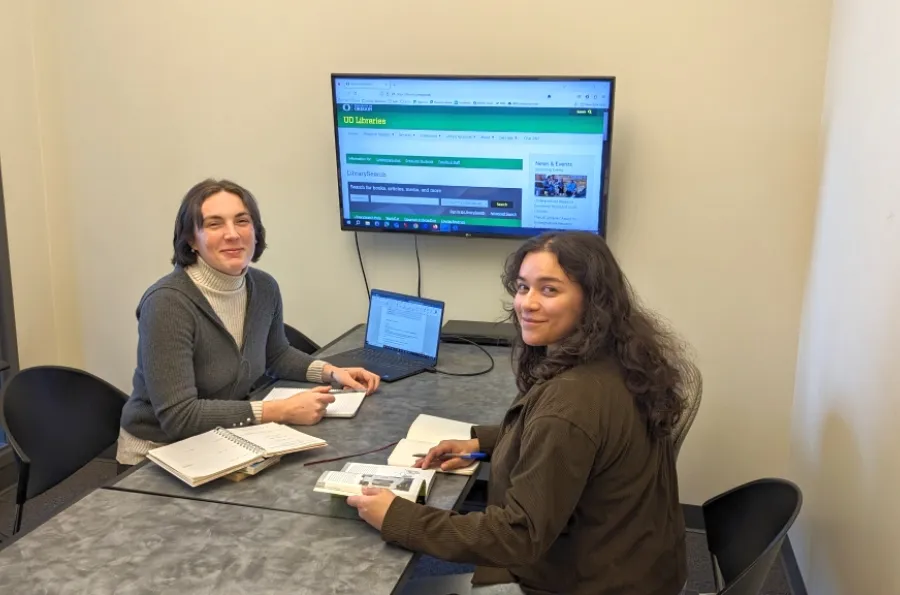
[227, 294]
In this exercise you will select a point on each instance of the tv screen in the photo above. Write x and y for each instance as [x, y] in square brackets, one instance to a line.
[472, 156]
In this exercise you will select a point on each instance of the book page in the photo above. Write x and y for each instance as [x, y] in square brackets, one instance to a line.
[277, 439]
[204, 455]
[349, 484]
[427, 475]
[428, 428]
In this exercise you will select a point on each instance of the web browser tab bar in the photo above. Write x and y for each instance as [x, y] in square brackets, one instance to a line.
[484, 93]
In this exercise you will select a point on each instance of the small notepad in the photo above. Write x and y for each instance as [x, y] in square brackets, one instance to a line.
[424, 433]
[208, 456]
[346, 404]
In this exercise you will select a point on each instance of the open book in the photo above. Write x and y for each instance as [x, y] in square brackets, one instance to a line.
[349, 481]
[425, 432]
[346, 403]
[208, 456]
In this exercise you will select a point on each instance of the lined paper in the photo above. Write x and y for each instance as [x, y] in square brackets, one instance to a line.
[204, 455]
[345, 404]
[277, 439]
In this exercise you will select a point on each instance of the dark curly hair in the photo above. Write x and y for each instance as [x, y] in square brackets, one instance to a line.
[190, 218]
[612, 325]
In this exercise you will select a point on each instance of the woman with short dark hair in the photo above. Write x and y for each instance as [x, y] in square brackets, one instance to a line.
[213, 326]
[583, 493]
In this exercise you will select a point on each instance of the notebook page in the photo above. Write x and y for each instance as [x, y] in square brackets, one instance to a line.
[428, 428]
[277, 439]
[204, 455]
[404, 453]
[345, 404]
[281, 393]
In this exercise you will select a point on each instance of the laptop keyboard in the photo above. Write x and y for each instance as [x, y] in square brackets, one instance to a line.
[385, 361]
[382, 357]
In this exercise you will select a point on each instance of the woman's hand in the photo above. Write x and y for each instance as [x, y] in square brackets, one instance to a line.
[449, 447]
[303, 409]
[355, 378]
[372, 505]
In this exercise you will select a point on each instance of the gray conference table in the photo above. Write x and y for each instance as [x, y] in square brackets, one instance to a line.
[140, 544]
[149, 533]
[383, 418]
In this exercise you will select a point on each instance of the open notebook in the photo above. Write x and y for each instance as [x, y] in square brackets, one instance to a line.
[426, 431]
[410, 484]
[208, 456]
[346, 403]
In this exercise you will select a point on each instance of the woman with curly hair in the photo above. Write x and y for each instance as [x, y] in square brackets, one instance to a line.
[583, 493]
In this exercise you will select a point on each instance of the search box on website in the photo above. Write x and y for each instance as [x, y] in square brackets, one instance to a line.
[406, 200]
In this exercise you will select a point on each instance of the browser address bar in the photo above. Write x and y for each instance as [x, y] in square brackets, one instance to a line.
[366, 84]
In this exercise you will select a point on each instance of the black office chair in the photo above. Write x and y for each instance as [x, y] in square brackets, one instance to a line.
[693, 393]
[300, 341]
[745, 528]
[56, 420]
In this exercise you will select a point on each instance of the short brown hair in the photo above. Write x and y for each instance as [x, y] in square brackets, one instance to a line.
[190, 218]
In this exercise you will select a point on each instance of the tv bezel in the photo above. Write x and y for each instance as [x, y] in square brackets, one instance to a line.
[604, 194]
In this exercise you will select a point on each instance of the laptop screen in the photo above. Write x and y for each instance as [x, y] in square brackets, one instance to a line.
[404, 323]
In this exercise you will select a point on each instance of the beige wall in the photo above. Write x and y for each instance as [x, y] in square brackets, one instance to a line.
[21, 154]
[713, 184]
[845, 443]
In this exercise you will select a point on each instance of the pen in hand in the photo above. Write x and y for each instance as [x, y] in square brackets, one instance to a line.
[471, 456]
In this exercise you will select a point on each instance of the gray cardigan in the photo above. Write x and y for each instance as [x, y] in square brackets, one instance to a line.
[190, 376]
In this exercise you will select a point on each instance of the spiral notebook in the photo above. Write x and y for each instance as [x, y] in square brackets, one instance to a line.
[208, 456]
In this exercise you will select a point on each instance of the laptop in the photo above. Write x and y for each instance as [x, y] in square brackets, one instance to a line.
[402, 336]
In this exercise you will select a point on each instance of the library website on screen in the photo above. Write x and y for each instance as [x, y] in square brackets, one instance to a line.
[472, 165]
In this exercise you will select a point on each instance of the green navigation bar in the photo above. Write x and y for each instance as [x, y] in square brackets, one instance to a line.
[459, 110]
[421, 220]
[560, 124]
[418, 161]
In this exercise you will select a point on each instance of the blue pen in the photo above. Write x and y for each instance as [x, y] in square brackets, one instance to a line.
[471, 456]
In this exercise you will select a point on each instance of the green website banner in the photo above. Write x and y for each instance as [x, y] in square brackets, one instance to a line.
[561, 124]
[419, 161]
[468, 110]
[431, 219]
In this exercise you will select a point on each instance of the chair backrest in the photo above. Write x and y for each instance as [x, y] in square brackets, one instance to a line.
[693, 393]
[300, 341]
[745, 528]
[57, 420]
